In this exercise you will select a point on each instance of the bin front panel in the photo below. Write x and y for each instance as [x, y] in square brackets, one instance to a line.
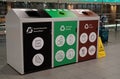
[87, 45]
[37, 46]
[65, 42]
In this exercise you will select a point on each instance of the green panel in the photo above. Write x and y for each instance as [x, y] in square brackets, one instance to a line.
[57, 13]
[65, 37]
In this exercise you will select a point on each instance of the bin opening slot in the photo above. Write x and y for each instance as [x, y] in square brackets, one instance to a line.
[87, 13]
[62, 13]
[33, 13]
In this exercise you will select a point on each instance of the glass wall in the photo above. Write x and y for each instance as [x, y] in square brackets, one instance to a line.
[3, 11]
[112, 11]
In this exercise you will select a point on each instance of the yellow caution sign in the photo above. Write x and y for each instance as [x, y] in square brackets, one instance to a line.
[101, 51]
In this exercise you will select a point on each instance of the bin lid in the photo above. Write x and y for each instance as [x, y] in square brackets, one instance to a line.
[38, 13]
[84, 13]
[60, 13]
[29, 13]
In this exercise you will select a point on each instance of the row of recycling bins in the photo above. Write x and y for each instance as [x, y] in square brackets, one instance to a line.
[43, 39]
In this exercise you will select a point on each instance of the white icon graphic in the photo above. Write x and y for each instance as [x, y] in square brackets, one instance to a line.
[83, 52]
[92, 50]
[38, 59]
[37, 43]
[70, 39]
[60, 55]
[92, 37]
[86, 26]
[60, 40]
[62, 28]
[70, 54]
[83, 38]
[29, 30]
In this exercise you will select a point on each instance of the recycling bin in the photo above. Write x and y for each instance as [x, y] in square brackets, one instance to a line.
[87, 34]
[64, 36]
[29, 40]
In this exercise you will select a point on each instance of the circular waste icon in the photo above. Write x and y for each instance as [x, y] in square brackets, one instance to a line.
[83, 52]
[83, 38]
[60, 40]
[60, 55]
[70, 54]
[92, 50]
[70, 39]
[92, 37]
[37, 43]
[38, 59]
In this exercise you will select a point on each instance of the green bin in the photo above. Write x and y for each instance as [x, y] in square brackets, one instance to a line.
[64, 36]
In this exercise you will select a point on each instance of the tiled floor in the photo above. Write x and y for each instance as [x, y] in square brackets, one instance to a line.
[104, 68]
